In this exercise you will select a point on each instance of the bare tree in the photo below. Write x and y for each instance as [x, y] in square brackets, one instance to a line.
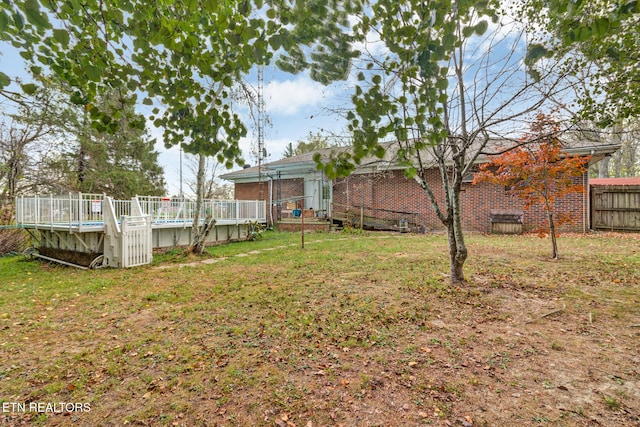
[30, 135]
[213, 188]
[625, 162]
[449, 83]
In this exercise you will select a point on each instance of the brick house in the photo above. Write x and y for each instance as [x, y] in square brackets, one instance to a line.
[380, 194]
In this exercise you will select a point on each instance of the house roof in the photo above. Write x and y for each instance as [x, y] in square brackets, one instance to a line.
[615, 181]
[303, 164]
[295, 165]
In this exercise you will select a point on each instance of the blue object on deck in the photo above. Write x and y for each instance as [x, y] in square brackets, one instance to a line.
[297, 213]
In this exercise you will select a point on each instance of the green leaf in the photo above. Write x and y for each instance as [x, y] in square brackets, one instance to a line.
[37, 19]
[534, 53]
[578, 35]
[442, 84]
[147, 101]
[535, 74]
[93, 73]
[29, 88]
[601, 26]
[449, 41]
[61, 36]
[18, 20]
[4, 80]
[613, 53]
[4, 22]
[481, 27]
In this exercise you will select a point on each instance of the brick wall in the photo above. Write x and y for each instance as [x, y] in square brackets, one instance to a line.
[392, 191]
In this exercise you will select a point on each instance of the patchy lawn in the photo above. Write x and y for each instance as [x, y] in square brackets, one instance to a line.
[353, 330]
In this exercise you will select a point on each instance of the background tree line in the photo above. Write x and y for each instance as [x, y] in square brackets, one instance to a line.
[47, 145]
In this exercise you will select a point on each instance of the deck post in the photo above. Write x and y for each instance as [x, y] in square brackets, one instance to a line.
[70, 210]
[80, 216]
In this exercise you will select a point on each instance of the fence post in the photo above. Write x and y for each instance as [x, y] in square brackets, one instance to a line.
[124, 253]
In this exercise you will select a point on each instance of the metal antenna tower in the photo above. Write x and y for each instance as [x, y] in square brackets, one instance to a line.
[262, 152]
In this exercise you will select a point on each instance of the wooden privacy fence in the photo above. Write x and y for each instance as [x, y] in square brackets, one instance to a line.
[615, 207]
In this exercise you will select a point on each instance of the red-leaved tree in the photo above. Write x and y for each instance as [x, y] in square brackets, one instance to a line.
[539, 172]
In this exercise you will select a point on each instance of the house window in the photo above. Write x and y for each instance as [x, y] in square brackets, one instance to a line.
[326, 190]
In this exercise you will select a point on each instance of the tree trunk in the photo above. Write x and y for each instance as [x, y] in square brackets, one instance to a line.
[457, 257]
[603, 168]
[455, 236]
[198, 232]
[552, 232]
[457, 247]
[617, 163]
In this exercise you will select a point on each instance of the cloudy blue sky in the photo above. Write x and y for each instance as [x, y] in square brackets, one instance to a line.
[295, 107]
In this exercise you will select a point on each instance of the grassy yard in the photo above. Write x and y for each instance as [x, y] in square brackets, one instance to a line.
[352, 330]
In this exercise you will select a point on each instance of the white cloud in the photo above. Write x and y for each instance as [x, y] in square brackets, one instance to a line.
[290, 96]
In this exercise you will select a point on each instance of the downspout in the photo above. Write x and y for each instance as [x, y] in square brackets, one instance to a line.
[270, 199]
[586, 223]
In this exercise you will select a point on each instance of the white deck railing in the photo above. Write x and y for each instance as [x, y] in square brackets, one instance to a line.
[82, 210]
[166, 209]
[75, 210]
